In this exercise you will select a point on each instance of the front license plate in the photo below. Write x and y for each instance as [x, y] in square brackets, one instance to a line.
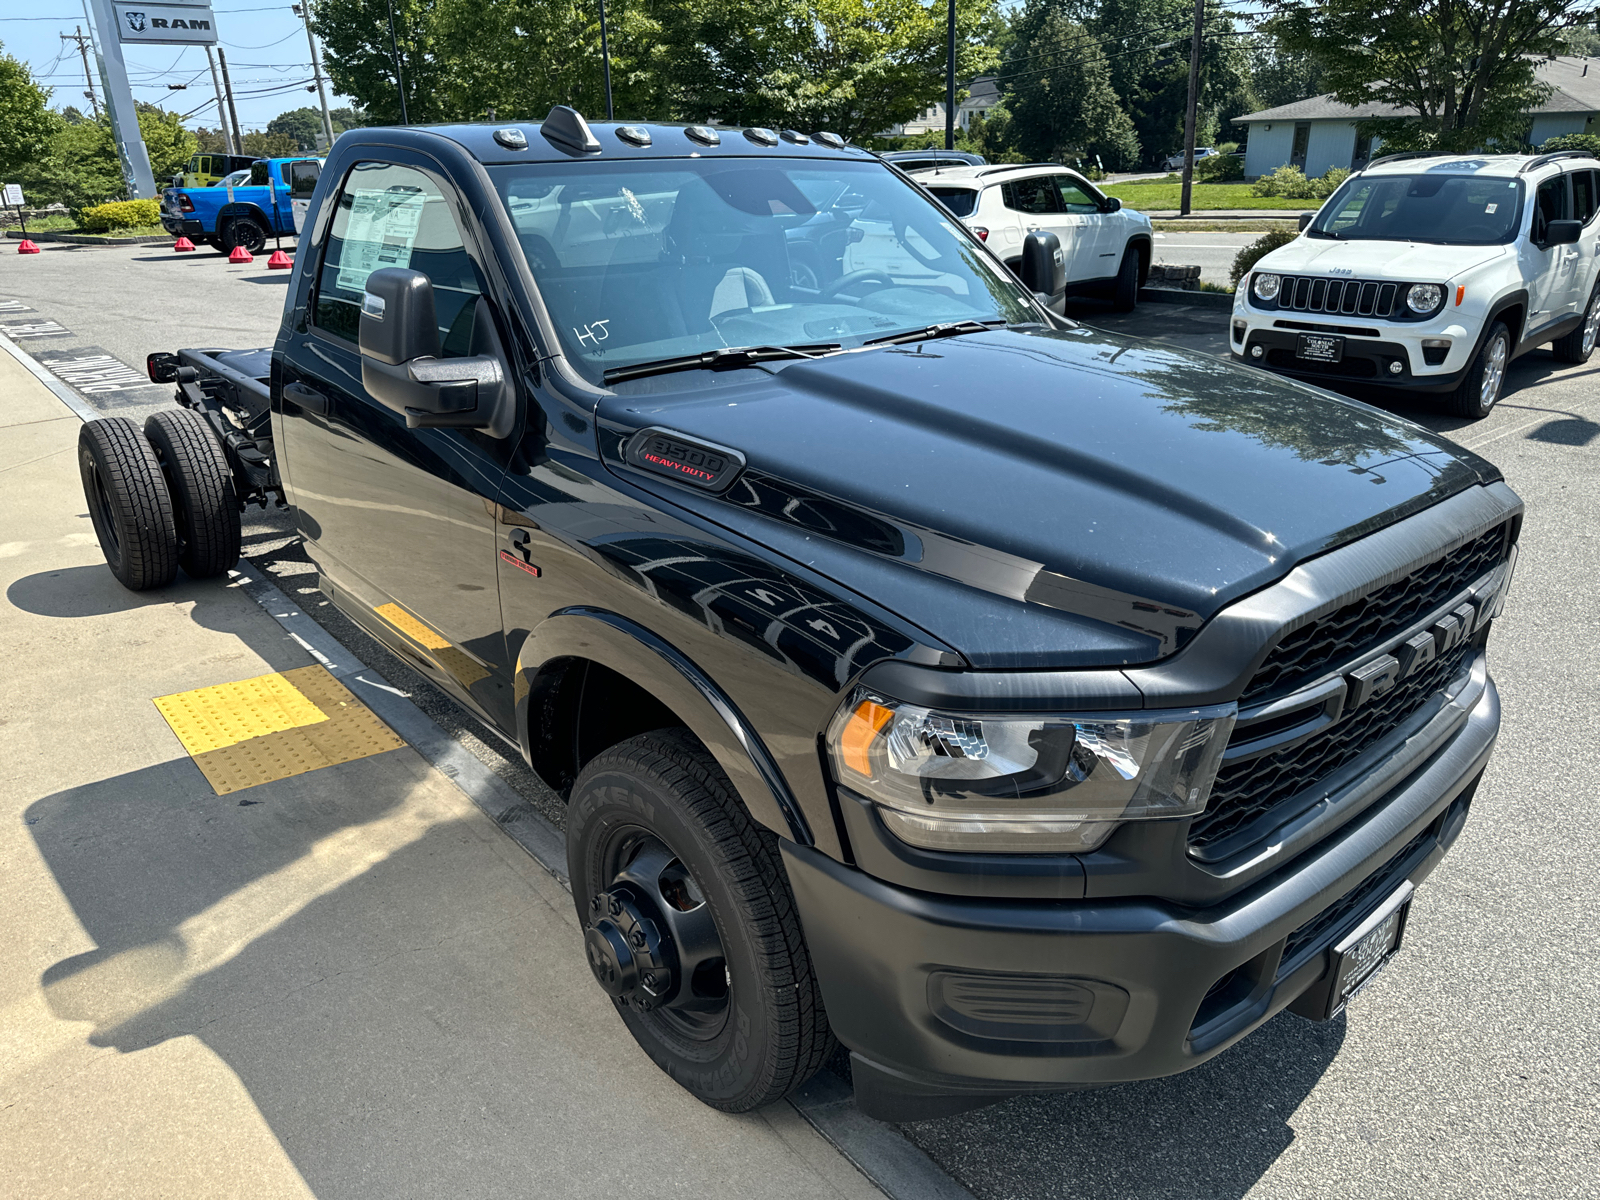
[1370, 946]
[1320, 347]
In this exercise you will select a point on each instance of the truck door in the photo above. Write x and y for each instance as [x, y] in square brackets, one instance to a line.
[398, 520]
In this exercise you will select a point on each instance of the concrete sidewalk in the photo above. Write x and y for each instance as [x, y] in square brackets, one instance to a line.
[348, 983]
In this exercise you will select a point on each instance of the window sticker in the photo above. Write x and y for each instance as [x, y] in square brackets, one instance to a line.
[1490, 208]
[382, 233]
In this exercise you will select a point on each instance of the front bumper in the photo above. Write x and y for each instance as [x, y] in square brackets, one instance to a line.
[1365, 361]
[951, 1002]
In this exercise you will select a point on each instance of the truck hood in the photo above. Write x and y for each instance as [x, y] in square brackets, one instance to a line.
[1046, 498]
[1403, 262]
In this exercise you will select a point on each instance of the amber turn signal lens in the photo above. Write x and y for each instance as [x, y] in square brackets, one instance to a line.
[1461, 292]
[855, 741]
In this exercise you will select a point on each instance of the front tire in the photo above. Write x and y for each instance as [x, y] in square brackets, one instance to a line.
[690, 923]
[129, 503]
[1125, 291]
[1475, 396]
[1578, 345]
[205, 505]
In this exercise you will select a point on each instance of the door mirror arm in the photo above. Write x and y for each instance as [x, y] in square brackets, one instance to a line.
[438, 393]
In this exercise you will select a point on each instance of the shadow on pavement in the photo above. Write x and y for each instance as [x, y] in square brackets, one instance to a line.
[1212, 1132]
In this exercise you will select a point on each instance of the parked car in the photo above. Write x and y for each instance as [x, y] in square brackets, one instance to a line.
[240, 215]
[1174, 162]
[1029, 707]
[237, 179]
[1106, 247]
[207, 169]
[1432, 272]
[929, 160]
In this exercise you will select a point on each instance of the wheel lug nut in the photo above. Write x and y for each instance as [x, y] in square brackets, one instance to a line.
[615, 907]
[637, 939]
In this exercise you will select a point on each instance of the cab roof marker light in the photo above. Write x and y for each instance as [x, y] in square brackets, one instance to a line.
[795, 137]
[703, 134]
[633, 135]
[761, 137]
[511, 139]
[831, 140]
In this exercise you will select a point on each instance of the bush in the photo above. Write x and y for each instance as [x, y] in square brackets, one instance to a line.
[120, 214]
[1573, 141]
[1329, 183]
[1257, 250]
[1290, 183]
[1226, 147]
[1219, 168]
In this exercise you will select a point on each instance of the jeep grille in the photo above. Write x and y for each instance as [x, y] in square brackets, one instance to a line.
[1342, 297]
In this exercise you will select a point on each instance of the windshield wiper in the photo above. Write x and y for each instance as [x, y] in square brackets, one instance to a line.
[929, 332]
[718, 360]
[1327, 233]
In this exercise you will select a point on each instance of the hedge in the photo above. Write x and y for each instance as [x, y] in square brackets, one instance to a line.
[1291, 183]
[119, 214]
[1257, 250]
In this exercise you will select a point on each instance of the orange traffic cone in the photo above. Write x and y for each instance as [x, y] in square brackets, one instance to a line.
[279, 261]
[240, 255]
[27, 247]
[183, 243]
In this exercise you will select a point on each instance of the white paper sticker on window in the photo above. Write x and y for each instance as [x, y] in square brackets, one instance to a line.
[1490, 208]
[381, 233]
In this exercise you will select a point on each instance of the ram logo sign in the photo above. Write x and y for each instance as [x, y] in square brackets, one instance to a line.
[181, 23]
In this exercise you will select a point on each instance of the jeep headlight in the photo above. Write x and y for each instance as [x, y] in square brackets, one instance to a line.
[1265, 285]
[1016, 784]
[1424, 298]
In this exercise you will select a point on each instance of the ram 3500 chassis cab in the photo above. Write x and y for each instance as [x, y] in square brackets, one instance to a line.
[1026, 707]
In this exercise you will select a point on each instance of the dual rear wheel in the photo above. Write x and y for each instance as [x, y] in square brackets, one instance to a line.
[160, 498]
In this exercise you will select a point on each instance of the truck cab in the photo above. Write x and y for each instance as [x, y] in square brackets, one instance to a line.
[209, 168]
[247, 215]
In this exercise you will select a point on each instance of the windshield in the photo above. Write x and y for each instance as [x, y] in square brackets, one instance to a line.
[644, 260]
[961, 201]
[1448, 209]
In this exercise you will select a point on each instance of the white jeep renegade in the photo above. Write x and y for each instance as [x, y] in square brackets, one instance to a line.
[1431, 272]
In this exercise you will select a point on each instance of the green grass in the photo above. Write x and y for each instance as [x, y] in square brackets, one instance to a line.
[1235, 225]
[58, 224]
[1148, 197]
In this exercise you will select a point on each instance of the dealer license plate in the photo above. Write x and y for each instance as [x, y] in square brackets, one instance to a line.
[1320, 347]
[1370, 946]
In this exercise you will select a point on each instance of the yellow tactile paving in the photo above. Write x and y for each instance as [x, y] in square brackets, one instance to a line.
[343, 730]
[211, 717]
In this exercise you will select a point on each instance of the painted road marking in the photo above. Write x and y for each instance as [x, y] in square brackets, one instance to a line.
[23, 331]
[92, 371]
[14, 306]
[273, 727]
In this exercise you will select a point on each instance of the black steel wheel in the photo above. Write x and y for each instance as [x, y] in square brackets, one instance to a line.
[242, 231]
[690, 925]
[129, 503]
[204, 503]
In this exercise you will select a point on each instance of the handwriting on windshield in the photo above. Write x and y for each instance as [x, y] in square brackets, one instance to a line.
[594, 333]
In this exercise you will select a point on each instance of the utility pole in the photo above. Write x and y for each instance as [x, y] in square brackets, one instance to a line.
[131, 154]
[304, 12]
[605, 55]
[227, 90]
[950, 81]
[399, 81]
[1194, 100]
[222, 112]
[83, 49]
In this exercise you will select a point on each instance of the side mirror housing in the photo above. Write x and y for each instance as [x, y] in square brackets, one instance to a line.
[1563, 233]
[1111, 205]
[1044, 267]
[1306, 219]
[400, 364]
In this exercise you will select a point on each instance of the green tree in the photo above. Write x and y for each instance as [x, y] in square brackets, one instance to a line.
[1466, 68]
[355, 40]
[1281, 76]
[166, 141]
[78, 167]
[26, 123]
[1061, 99]
[269, 145]
[304, 125]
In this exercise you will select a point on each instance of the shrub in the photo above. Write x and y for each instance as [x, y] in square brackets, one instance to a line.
[120, 214]
[1219, 168]
[1257, 250]
[1290, 183]
[1227, 147]
[1573, 141]
[1329, 183]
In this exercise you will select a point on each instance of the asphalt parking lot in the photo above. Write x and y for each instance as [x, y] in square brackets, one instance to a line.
[1471, 1068]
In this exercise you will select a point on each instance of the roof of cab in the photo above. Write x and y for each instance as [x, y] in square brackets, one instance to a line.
[1507, 165]
[666, 140]
[982, 176]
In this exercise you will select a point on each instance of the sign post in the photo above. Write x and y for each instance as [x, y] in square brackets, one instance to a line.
[13, 197]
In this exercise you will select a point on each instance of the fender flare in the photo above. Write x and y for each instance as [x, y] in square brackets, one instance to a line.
[648, 660]
[1516, 299]
[229, 211]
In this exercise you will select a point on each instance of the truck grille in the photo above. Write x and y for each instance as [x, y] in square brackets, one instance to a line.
[1344, 297]
[1249, 789]
[1310, 651]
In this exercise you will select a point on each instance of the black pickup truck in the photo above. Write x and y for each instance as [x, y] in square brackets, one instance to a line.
[1025, 707]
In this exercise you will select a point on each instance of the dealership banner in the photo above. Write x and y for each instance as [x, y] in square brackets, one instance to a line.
[172, 24]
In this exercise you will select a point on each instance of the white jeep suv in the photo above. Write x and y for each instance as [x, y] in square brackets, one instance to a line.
[1431, 272]
[1106, 248]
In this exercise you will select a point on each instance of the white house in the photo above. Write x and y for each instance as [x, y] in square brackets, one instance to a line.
[1320, 133]
[983, 93]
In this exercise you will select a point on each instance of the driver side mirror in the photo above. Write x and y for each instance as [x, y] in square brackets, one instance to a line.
[1306, 219]
[1562, 233]
[1111, 205]
[1044, 267]
[400, 364]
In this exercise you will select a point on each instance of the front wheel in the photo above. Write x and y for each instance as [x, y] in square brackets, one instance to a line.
[1475, 396]
[1125, 292]
[690, 925]
[1578, 345]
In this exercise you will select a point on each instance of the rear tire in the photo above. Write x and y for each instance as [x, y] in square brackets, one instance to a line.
[1475, 396]
[205, 505]
[1125, 291]
[242, 231]
[1578, 345]
[661, 796]
[129, 503]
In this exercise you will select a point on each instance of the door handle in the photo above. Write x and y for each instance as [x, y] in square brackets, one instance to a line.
[306, 398]
[521, 542]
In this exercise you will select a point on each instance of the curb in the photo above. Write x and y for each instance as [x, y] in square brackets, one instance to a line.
[87, 239]
[1196, 298]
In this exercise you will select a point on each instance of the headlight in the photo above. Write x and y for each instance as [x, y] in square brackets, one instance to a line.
[1024, 784]
[1423, 298]
[1265, 285]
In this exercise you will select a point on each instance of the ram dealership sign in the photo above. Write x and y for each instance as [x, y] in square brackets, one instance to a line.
[180, 24]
